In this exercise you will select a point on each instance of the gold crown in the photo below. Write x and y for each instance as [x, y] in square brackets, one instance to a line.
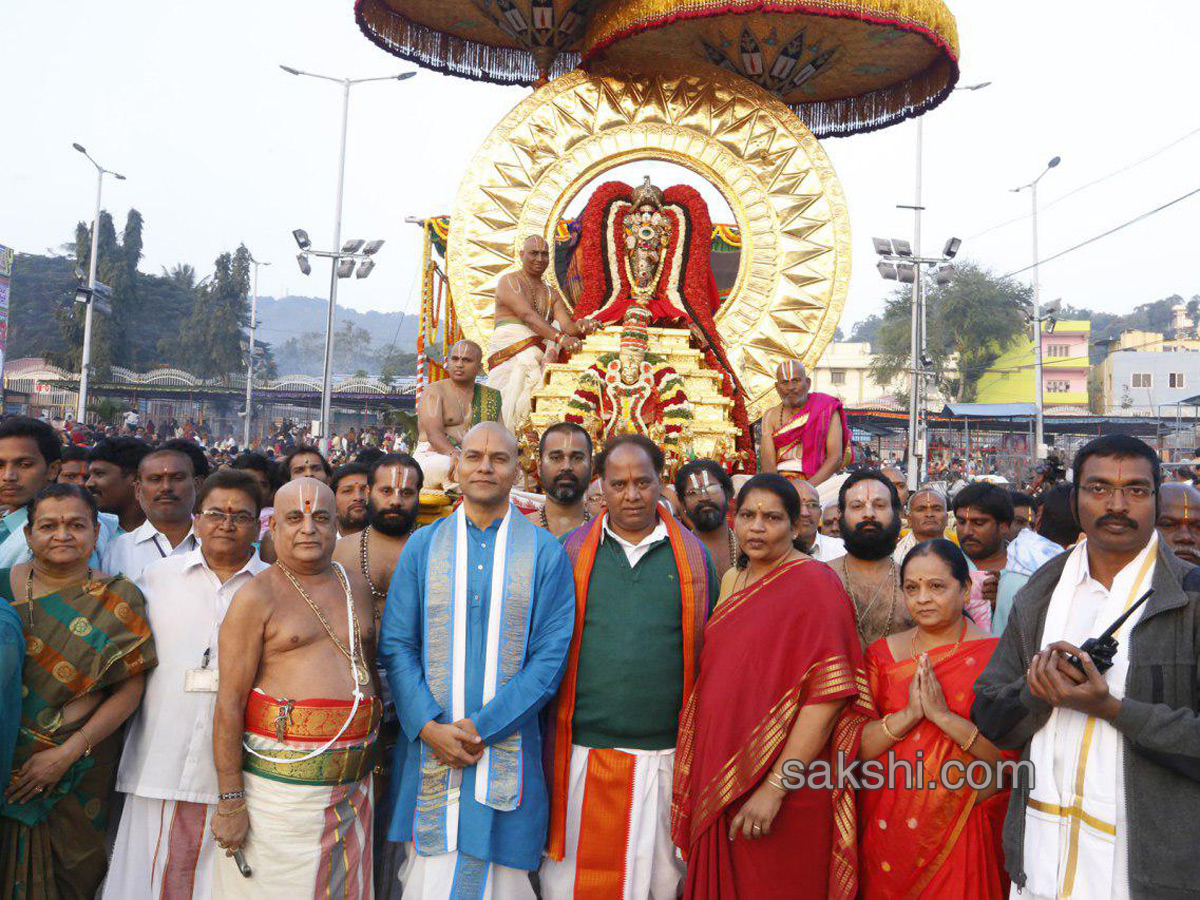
[647, 195]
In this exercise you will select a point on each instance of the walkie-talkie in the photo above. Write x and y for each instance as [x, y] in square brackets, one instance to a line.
[1103, 650]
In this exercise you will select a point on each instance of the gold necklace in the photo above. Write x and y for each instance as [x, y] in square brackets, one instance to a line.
[359, 665]
[913, 640]
[29, 591]
[365, 564]
[745, 573]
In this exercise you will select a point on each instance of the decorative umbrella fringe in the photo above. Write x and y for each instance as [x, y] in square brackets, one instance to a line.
[451, 54]
[879, 109]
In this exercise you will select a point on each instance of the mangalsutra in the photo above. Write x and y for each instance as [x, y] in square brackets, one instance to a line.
[29, 591]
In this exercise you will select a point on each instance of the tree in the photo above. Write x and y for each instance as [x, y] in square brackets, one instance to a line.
[867, 330]
[973, 319]
[211, 340]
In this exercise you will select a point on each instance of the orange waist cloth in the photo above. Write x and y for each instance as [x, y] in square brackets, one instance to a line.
[310, 720]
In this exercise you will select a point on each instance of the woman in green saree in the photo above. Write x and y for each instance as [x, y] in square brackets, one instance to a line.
[88, 646]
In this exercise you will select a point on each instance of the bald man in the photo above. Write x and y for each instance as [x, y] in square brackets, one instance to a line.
[806, 436]
[525, 338]
[475, 637]
[1179, 520]
[447, 409]
[297, 802]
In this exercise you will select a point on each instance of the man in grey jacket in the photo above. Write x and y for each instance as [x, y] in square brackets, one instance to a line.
[1115, 785]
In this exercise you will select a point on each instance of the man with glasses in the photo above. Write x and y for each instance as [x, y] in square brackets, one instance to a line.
[706, 490]
[810, 540]
[167, 771]
[1114, 737]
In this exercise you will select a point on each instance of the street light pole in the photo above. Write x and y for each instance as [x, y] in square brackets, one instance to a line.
[325, 431]
[86, 354]
[1039, 414]
[250, 364]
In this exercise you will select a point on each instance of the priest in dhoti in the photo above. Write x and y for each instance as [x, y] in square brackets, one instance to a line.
[1108, 805]
[527, 310]
[644, 586]
[447, 410]
[806, 436]
[474, 639]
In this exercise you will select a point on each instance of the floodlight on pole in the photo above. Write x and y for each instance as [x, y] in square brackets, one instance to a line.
[372, 247]
[86, 354]
[352, 246]
[345, 268]
[325, 430]
[882, 246]
[951, 249]
[887, 270]
[902, 247]
[305, 265]
[1038, 444]
[302, 239]
[365, 269]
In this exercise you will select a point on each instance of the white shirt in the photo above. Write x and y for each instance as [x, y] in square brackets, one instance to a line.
[168, 744]
[635, 552]
[827, 548]
[133, 551]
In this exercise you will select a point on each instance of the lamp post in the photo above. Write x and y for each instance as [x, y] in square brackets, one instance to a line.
[86, 355]
[1038, 436]
[919, 330]
[251, 356]
[327, 380]
[898, 263]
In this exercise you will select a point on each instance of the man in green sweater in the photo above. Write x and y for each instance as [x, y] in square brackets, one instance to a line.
[644, 586]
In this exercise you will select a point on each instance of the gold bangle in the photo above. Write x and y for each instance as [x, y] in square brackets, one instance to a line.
[888, 731]
[231, 812]
[776, 782]
[970, 741]
[83, 734]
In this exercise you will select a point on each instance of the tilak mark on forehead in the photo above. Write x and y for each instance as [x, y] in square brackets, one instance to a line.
[699, 481]
[789, 370]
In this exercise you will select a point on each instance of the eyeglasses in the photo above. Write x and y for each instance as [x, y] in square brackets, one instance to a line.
[237, 519]
[1138, 493]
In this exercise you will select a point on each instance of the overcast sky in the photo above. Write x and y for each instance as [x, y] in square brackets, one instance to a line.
[222, 147]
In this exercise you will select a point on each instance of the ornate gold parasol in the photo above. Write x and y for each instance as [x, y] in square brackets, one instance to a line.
[502, 41]
[844, 66]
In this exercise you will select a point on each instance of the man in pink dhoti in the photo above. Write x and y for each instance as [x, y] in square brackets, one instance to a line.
[806, 436]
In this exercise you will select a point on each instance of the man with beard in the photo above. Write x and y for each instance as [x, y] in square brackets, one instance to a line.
[565, 464]
[166, 488]
[394, 482]
[927, 519]
[983, 514]
[810, 540]
[112, 472]
[1116, 751]
[706, 490]
[1179, 520]
[350, 492]
[869, 508]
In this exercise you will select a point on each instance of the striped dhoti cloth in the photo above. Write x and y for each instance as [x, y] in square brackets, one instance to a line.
[618, 829]
[163, 851]
[311, 827]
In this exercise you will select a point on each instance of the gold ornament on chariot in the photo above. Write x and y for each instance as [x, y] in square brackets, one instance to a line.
[787, 201]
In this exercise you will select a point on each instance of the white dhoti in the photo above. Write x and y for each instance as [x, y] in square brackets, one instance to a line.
[516, 376]
[618, 827]
[449, 876]
[305, 841]
[435, 466]
[164, 851]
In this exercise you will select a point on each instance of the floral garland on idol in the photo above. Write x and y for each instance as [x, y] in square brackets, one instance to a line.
[686, 289]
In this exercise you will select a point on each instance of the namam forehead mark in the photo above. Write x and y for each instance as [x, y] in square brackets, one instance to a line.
[466, 348]
[493, 437]
[807, 491]
[401, 477]
[790, 370]
[929, 492]
[535, 242]
[562, 442]
[305, 494]
[700, 481]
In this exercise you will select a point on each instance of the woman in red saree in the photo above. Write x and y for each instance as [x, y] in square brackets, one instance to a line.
[781, 678]
[936, 841]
